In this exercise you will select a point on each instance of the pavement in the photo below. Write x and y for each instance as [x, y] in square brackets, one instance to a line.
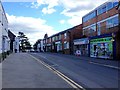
[20, 70]
[115, 64]
[0, 76]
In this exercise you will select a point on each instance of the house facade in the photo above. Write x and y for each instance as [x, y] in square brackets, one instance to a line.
[101, 26]
[4, 40]
[12, 41]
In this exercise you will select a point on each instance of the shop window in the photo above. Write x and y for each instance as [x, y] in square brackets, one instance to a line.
[102, 48]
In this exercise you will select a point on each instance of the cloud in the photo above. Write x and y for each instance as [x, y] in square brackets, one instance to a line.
[74, 9]
[62, 21]
[50, 5]
[48, 10]
[34, 28]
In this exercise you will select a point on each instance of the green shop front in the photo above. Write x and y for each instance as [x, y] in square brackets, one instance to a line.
[102, 47]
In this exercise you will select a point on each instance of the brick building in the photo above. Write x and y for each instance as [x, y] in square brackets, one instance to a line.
[101, 26]
[62, 42]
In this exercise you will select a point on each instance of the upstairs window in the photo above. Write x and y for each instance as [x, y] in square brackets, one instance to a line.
[112, 22]
[115, 3]
[53, 38]
[101, 10]
[89, 16]
[65, 35]
[109, 5]
[60, 36]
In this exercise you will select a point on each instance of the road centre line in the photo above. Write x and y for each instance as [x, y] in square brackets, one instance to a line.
[64, 77]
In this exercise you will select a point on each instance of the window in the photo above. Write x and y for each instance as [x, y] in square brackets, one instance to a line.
[89, 16]
[65, 35]
[66, 45]
[59, 36]
[53, 38]
[101, 10]
[98, 29]
[112, 22]
[115, 21]
[109, 5]
[90, 29]
[115, 3]
[104, 9]
[50, 39]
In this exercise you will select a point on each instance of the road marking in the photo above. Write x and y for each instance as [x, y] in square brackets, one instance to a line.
[64, 77]
[105, 65]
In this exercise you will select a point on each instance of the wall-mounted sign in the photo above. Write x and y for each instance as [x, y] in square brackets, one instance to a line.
[99, 40]
[81, 41]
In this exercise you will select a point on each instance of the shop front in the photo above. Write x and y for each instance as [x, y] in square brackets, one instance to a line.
[58, 46]
[82, 46]
[49, 47]
[101, 48]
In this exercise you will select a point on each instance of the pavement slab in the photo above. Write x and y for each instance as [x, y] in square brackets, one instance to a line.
[19, 70]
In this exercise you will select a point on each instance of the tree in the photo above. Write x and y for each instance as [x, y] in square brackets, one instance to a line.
[24, 42]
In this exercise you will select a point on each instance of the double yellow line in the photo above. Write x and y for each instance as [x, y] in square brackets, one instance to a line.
[64, 77]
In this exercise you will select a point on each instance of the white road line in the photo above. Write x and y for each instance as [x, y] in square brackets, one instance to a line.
[105, 65]
[64, 77]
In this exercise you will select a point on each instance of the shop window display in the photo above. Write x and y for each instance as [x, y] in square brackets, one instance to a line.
[101, 48]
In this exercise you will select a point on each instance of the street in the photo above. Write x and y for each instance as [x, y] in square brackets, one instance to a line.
[60, 44]
[51, 70]
[22, 71]
[84, 73]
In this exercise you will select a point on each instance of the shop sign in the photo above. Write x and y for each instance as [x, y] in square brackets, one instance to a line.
[81, 41]
[48, 44]
[99, 40]
[57, 42]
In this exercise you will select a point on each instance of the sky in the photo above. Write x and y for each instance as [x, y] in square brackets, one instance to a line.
[37, 17]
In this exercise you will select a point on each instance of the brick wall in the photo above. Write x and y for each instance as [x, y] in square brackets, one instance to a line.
[98, 18]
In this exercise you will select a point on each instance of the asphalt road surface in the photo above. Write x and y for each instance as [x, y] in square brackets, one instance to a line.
[86, 74]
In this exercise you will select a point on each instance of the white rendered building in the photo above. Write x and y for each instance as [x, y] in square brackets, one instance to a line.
[16, 44]
[4, 39]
